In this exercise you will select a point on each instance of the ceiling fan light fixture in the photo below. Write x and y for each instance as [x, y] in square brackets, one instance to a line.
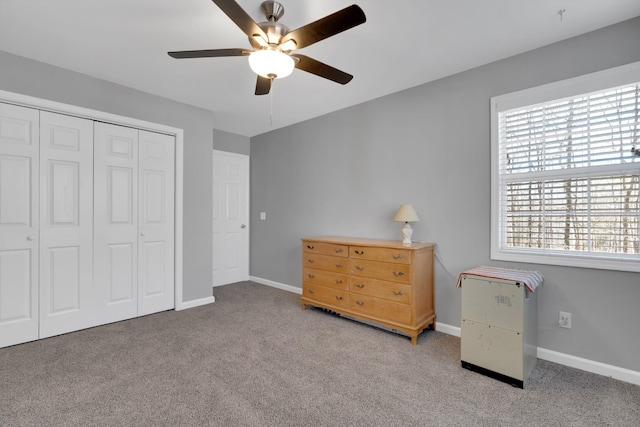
[288, 45]
[271, 63]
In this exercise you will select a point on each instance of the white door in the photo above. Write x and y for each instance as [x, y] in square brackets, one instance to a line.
[18, 224]
[115, 222]
[66, 223]
[156, 223]
[230, 218]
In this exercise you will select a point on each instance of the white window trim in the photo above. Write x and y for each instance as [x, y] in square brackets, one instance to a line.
[617, 76]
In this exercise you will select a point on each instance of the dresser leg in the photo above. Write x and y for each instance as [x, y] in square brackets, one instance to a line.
[414, 339]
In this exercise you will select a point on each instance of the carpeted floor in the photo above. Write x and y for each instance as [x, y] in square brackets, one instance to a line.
[254, 358]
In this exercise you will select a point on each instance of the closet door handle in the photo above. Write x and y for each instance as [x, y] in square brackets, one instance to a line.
[30, 238]
[141, 234]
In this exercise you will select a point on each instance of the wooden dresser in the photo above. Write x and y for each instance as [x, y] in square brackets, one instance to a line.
[379, 281]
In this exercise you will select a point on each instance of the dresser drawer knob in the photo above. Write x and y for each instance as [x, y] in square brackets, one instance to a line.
[398, 256]
[340, 265]
[398, 273]
[309, 247]
[359, 285]
[311, 276]
[398, 293]
[339, 281]
[339, 251]
[360, 303]
[311, 291]
[339, 298]
[359, 268]
[310, 260]
[359, 252]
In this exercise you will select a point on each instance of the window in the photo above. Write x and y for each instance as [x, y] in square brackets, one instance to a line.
[566, 172]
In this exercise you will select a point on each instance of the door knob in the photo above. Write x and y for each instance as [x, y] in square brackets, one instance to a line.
[243, 226]
[29, 238]
[142, 234]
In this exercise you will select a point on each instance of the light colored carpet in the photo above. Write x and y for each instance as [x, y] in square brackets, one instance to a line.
[254, 358]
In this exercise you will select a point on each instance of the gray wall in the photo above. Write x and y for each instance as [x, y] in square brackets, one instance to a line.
[346, 173]
[24, 76]
[231, 142]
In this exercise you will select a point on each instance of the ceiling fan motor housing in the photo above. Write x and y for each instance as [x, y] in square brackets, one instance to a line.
[272, 28]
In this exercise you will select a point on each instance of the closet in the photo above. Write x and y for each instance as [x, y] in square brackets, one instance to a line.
[86, 223]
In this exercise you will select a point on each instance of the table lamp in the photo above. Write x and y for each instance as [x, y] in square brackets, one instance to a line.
[406, 214]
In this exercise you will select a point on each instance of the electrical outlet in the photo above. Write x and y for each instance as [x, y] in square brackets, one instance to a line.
[564, 320]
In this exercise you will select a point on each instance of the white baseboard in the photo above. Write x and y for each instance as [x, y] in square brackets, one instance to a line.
[195, 303]
[615, 372]
[622, 374]
[592, 366]
[277, 285]
[448, 329]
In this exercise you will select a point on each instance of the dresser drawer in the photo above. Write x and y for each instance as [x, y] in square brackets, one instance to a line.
[381, 308]
[326, 295]
[325, 278]
[380, 270]
[399, 256]
[325, 248]
[325, 262]
[398, 292]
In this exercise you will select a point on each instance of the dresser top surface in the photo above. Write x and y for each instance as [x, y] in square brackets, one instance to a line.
[397, 244]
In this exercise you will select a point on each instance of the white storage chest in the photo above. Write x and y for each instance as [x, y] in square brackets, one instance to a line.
[499, 328]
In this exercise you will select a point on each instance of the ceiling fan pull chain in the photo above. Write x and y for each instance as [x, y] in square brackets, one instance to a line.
[271, 103]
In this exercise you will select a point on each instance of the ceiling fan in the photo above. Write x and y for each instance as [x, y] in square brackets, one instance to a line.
[274, 43]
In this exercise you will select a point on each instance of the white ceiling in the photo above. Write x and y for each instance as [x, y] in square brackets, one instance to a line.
[402, 44]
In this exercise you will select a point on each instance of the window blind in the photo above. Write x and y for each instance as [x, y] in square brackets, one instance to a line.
[569, 176]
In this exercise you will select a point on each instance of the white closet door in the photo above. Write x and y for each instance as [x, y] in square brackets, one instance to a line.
[115, 222]
[156, 223]
[18, 224]
[66, 223]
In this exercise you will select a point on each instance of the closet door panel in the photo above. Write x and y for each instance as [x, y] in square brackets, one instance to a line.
[19, 181]
[66, 224]
[116, 222]
[156, 226]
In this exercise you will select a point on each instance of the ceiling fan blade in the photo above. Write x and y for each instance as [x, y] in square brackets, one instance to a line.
[263, 85]
[320, 69]
[240, 18]
[328, 26]
[208, 53]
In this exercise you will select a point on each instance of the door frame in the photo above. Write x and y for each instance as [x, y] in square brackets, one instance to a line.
[247, 189]
[87, 113]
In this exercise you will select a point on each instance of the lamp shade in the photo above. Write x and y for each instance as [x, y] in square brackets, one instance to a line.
[271, 63]
[406, 213]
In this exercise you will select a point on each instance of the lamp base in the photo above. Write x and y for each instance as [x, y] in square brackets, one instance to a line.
[406, 232]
